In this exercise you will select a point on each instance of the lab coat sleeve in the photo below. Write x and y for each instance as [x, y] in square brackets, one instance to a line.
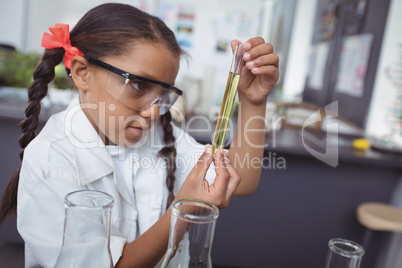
[117, 244]
[40, 213]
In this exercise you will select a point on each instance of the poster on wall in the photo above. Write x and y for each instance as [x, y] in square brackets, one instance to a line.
[391, 140]
[393, 75]
[353, 64]
[185, 26]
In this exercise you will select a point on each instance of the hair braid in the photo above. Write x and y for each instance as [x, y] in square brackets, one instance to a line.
[43, 75]
[168, 153]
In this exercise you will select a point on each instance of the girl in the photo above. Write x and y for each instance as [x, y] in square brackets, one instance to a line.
[124, 63]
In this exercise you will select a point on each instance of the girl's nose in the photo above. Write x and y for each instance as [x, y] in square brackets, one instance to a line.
[151, 112]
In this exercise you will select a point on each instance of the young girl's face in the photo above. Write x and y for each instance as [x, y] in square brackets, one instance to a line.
[119, 123]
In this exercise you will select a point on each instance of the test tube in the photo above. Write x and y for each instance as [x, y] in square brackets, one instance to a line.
[228, 99]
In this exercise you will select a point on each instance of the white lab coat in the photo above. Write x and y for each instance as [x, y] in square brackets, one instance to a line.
[67, 156]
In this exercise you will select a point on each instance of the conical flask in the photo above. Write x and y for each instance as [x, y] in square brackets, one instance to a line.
[86, 237]
[191, 234]
[343, 253]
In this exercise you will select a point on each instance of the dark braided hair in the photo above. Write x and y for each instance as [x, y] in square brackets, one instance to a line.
[168, 153]
[106, 30]
[43, 75]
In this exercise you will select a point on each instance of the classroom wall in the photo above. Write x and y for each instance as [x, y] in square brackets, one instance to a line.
[299, 51]
[12, 21]
[386, 103]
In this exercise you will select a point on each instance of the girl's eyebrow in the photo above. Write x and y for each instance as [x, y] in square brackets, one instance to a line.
[144, 74]
[147, 75]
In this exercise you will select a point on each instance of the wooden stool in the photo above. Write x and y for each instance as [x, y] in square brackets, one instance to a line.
[378, 217]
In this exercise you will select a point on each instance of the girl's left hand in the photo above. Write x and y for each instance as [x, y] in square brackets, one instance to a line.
[260, 72]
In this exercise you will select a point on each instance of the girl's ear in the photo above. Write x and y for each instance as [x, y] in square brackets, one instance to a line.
[80, 72]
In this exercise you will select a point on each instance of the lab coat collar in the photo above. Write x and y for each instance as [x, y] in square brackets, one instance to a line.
[88, 145]
[90, 155]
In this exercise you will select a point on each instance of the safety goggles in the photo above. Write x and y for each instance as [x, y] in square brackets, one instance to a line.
[137, 92]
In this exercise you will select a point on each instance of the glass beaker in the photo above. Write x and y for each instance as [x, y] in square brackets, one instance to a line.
[191, 234]
[344, 253]
[86, 237]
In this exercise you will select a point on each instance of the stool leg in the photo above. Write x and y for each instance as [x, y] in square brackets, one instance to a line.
[366, 238]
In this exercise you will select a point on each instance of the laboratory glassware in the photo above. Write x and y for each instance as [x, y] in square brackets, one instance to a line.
[191, 234]
[86, 237]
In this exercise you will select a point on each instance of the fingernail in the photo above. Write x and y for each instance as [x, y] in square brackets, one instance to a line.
[247, 46]
[208, 150]
[246, 56]
[250, 64]
[222, 152]
[226, 156]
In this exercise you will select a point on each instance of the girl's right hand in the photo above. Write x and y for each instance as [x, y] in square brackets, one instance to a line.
[226, 181]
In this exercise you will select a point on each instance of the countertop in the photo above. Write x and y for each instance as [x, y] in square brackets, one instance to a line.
[285, 141]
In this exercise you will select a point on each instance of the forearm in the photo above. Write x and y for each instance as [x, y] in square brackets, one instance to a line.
[149, 248]
[247, 149]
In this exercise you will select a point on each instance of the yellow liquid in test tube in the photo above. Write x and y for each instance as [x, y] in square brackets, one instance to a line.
[228, 100]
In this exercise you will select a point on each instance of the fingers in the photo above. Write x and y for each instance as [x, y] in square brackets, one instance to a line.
[234, 180]
[267, 59]
[218, 193]
[201, 167]
[254, 42]
[257, 51]
[222, 173]
[227, 179]
[255, 48]
[269, 70]
[260, 57]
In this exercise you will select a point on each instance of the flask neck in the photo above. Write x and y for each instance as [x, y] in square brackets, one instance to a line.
[191, 234]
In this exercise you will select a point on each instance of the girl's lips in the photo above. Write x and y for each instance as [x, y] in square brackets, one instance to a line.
[138, 130]
[141, 126]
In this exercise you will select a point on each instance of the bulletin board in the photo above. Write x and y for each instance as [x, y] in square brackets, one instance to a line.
[354, 32]
[353, 64]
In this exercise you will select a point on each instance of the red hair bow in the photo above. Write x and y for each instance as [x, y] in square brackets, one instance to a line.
[60, 37]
